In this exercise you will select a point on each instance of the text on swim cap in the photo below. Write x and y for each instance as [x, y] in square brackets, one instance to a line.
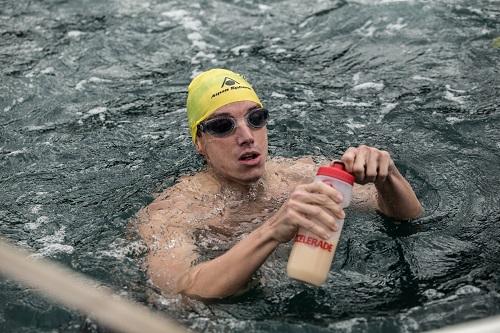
[227, 89]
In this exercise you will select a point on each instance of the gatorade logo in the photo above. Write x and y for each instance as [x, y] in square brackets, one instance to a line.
[228, 82]
[324, 245]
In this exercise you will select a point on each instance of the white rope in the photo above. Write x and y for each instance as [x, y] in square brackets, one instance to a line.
[488, 325]
[77, 292]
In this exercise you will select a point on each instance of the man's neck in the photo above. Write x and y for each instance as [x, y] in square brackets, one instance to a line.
[234, 188]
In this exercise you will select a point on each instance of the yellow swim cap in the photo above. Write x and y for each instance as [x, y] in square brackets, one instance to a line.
[213, 89]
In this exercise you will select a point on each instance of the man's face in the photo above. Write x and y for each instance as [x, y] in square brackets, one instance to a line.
[240, 156]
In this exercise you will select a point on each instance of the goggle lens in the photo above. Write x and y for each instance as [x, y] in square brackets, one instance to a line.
[223, 126]
[257, 118]
[219, 126]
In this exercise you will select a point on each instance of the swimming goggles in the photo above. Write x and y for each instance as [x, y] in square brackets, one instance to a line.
[224, 125]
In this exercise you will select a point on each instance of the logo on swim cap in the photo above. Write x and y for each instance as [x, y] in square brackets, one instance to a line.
[211, 90]
[231, 85]
[229, 82]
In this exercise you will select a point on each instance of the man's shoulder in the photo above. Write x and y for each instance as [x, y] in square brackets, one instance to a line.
[188, 187]
[300, 169]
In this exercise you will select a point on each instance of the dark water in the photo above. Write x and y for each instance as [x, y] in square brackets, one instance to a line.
[92, 122]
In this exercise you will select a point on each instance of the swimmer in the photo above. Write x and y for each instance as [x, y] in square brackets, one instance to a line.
[255, 203]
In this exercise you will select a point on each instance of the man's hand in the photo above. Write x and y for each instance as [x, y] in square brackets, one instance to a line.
[315, 207]
[395, 196]
[368, 164]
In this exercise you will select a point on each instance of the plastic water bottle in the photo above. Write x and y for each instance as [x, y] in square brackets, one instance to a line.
[311, 257]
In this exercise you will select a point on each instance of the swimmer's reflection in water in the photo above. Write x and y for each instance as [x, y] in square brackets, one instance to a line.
[250, 203]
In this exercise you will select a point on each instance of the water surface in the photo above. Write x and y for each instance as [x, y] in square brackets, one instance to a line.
[92, 123]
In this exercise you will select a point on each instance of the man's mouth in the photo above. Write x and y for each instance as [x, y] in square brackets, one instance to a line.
[249, 156]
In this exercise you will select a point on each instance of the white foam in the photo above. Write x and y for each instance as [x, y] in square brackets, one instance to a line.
[377, 2]
[309, 92]
[369, 85]
[202, 55]
[355, 77]
[194, 72]
[418, 77]
[14, 102]
[304, 23]
[237, 50]
[194, 36]
[52, 244]
[388, 107]
[183, 17]
[448, 87]
[353, 125]
[164, 23]
[48, 70]
[17, 152]
[347, 325]
[35, 209]
[476, 11]
[453, 120]
[277, 95]
[458, 99]
[80, 85]
[366, 30]
[175, 14]
[468, 290]
[53, 249]
[264, 8]
[396, 26]
[57, 237]
[94, 79]
[119, 250]
[35, 225]
[97, 110]
[202, 45]
[75, 33]
[342, 102]
[433, 294]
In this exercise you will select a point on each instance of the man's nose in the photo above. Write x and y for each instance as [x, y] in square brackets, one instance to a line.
[244, 134]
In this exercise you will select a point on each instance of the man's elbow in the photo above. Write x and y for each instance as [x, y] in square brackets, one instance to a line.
[407, 214]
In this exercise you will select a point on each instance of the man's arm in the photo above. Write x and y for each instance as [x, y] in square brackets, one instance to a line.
[172, 254]
[396, 197]
[314, 207]
[229, 273]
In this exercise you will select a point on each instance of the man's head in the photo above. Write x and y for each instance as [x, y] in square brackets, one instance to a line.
[227, 123]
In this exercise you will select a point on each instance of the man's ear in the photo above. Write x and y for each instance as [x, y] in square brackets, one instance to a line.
[200, 147]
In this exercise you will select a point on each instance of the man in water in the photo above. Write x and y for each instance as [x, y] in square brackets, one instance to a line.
[252, 203]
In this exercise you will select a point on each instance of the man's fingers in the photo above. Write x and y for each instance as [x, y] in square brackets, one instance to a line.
[383, 166]
[315, 213]
[309, 225]
[321, 200]
[321, 188]
[372, 166]
[368, 164]
[359, 167]
[348, 158]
